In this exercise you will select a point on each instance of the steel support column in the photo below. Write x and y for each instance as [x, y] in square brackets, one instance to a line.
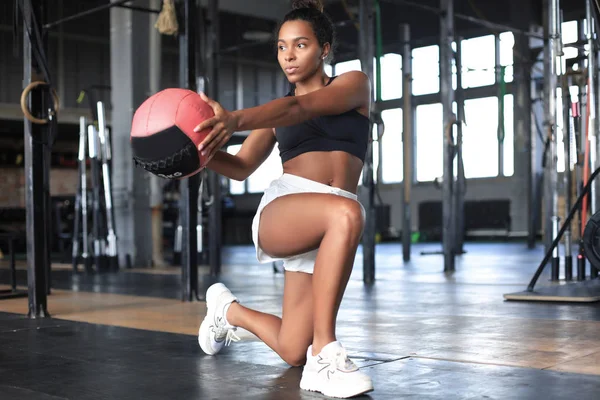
[447, 96]
[215, 221]
[156, 183]
[36, 137]
[526, 139]
[551, 173]
[500, 79]
[367, 53]
[129, 51]
[407, 139]
[188, 206]
[460, 185]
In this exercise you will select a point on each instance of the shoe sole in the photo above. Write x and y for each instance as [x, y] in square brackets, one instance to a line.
[315, 385]
[204, 333]
[212, 294]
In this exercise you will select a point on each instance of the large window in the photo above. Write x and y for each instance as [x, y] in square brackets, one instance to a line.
[480, 139]
[507, 44]
[429, 142]
[391, 72]
[569, 32]
[392, 154]
[478, 61]
[426, 70]
[346, 66]
[270, 170]
[236, 187]
[509, 136]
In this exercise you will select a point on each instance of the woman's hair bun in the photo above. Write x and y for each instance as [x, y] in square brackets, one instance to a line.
[316, 4]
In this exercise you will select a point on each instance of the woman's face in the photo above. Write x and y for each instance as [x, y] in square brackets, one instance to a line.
[298, 50]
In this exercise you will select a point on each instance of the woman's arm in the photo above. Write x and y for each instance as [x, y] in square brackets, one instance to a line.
[255, 150]
[349, 91]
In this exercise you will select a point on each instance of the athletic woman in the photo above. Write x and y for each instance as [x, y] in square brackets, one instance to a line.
[309, 217]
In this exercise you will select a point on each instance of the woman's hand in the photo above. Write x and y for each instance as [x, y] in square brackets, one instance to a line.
[223, 125]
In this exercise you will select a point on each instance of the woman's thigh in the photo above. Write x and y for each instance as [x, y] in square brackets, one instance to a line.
[296, 223]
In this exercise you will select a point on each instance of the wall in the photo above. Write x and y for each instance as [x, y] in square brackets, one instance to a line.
[478, 189]
[63, 182]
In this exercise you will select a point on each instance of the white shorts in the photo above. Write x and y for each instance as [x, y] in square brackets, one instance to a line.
[290, 184]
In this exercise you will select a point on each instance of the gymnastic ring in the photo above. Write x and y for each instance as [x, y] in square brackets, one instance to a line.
[25, 108]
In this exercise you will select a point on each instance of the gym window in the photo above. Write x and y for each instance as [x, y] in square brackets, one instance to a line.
[478, 61]
[392, 154]
[426, 70]
[429, 144]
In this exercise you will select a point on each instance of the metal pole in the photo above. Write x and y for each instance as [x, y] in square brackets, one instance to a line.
[591, 98]
[567, 177]
[215, 221]
[367, 53]
[582, 145]
[189, 186]
[525, 138]
[103, 153]
[460, 187]
[550, 71]
[156, 183]
[447, 96]
[34, 135]
[407, 139]
[500, 94]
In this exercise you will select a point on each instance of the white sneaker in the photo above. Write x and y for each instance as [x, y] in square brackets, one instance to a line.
[215, 332]
[332, 373]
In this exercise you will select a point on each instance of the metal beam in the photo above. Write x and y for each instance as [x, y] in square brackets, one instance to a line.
[525, 139]
[114, 3]
[367, 53]
[478, 21]
[447, 97]
[551, 220]
[129, 73]
[188, 210]
[460, 184]
[214, 180]
[36, 155]
[407, 140]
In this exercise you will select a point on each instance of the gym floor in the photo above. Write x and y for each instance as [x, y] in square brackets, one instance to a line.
[418, 332]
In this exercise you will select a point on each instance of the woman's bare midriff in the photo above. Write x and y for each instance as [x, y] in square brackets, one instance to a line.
[333, 168]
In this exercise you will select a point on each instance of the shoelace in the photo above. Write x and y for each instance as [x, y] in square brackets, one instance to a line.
[231, 337]
[229, 334]
[343, 362]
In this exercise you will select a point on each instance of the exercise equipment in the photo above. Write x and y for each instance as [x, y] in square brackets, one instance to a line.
[96, 246]
[163, 140]
[583, 290]
[105, 156]
[81, 205]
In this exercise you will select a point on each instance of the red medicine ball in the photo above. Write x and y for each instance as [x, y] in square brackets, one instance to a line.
[163, 140]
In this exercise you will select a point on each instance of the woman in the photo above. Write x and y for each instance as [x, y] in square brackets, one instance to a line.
[310, 217]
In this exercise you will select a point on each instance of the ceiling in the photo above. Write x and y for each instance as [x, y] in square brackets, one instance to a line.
[264, 14]
[239, 17]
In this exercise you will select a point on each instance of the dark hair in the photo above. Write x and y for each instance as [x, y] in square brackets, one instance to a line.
[311, 11]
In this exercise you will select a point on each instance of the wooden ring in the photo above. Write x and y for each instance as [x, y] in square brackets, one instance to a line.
[25, 108]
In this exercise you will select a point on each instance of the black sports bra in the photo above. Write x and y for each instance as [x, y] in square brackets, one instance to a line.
[347, 132]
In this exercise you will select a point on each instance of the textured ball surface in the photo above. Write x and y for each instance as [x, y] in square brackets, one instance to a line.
[163, 140]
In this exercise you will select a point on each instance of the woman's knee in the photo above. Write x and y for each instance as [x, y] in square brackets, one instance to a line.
[293, 355]
[349, 216]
